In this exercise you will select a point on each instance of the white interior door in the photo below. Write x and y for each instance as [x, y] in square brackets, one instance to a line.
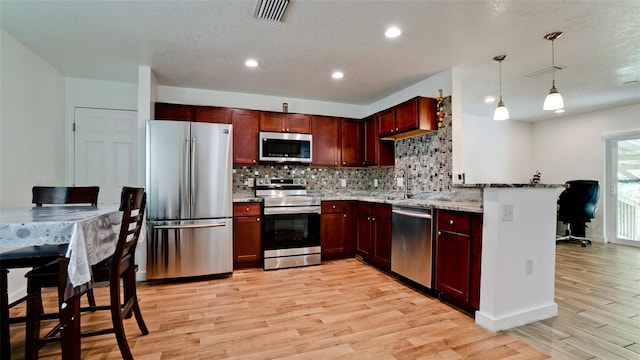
[623, 167]
[105, 150]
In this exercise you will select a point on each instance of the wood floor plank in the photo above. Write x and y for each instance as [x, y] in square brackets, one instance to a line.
[597, 292]
[346, 309]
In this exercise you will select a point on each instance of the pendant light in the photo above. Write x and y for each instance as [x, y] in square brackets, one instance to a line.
[553, 101]
[501, 112]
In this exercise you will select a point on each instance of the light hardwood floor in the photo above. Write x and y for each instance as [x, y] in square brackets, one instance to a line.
[598, 295]
[348, 310]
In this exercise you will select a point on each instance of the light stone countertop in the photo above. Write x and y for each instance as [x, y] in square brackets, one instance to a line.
[468, 206]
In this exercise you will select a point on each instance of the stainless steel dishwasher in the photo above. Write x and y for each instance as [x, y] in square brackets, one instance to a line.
[411, 243]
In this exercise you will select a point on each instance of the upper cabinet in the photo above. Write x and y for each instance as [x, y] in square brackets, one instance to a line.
[245, 136]
[212, 114]
[376, 152]
[413, 117]
[165, 111]
[352, 131]
[285, 122]
[180, 112]
[326, 140]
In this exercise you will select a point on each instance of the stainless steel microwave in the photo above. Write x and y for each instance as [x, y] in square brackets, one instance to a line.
[285, 147]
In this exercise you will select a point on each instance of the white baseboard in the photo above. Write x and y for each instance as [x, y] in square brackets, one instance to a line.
[515, 320]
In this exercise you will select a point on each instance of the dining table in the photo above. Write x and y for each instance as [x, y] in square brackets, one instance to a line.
[90, 234]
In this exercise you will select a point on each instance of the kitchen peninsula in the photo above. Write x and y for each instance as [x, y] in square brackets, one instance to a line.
[518, 244]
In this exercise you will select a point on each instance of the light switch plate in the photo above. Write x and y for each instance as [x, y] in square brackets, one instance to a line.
[343, 182]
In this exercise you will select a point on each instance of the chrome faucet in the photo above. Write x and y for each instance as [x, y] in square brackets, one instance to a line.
[403, 170]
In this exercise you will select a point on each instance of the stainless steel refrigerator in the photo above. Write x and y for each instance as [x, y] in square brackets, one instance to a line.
[189, 201]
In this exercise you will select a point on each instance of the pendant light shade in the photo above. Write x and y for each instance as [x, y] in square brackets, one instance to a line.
[501, 113]
[554, 100]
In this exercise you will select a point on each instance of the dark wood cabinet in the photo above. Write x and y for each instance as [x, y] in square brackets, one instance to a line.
[458, 251]
[326, 140]
[351, 142]
[387, 124]
[245, 136]
[247, 235]
[166, 111]
[412, 117]
[335, 230]
[212, 114]
[377, 152]
[373, 237]
[285, 122]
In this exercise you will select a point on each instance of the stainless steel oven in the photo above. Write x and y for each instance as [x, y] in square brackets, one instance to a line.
[291, 223]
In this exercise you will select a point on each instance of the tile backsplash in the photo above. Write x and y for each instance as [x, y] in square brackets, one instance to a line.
[426, 159]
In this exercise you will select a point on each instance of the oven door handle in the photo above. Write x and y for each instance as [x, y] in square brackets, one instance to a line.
[297, 210]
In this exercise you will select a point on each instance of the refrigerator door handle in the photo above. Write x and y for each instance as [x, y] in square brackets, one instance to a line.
[184, 189]
[193, 173]
[192, 226]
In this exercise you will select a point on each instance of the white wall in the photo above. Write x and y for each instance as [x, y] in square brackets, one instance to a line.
[495, 151]
[428, 87]
[571, 148]
[31, 130]
[510, 295]
[32, 123]
[147, 95]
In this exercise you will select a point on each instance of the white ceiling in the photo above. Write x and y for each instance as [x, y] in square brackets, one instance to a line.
[203, 44]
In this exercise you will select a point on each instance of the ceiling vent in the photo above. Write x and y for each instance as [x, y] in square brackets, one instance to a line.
[271, 9]
[541, 70]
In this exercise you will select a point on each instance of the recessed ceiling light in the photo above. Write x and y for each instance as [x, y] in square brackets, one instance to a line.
[489, 99]
[251, 63]
[393, 32]
[559, 111]
[337, 75]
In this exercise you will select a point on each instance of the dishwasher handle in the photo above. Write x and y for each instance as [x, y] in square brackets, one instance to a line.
[415, 214]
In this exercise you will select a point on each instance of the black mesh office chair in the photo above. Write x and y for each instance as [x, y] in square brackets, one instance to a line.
[577, 206]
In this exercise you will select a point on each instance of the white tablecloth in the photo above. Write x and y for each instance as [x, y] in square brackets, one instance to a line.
[90, 232]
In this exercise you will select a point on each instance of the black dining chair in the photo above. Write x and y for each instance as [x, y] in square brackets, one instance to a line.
[110, 272]
[34, 256]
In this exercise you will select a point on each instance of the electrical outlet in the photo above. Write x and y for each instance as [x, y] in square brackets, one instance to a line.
[400, 182]
[375, 182]
[343, 182]
[507, 212]
[250, 182]
[528, 267]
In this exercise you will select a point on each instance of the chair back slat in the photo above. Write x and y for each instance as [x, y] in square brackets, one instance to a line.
[56, 195]
[132, 205]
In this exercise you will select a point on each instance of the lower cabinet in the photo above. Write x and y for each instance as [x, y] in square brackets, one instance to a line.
[458, 250]
[336, 236]
[373, 234]
[247, 235]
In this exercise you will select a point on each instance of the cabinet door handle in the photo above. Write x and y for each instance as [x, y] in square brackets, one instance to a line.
[345, 215]
[439, 232]
[397, 129]
[368, 218]
[254, 161]
[373, 219]
[257, 219]
[335, 163]
[247, 209]
[451, 222]
[333, 206]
